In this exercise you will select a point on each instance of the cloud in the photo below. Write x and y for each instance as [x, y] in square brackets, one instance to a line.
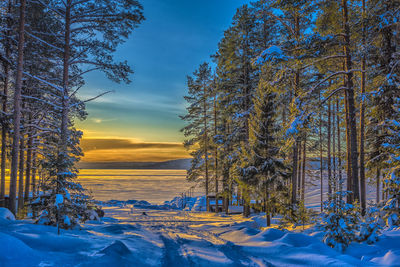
[128, 155]
[99, 120]
[127, 150]
[144, 101]
[124, 144]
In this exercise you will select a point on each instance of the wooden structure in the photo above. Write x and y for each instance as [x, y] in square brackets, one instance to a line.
[214, 207]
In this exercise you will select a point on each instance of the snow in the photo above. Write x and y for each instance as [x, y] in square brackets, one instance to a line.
[6, 215]
[272, 53]
[390, 259]
[180, 233]
[67, 221]
[133, 236]
[59, 200]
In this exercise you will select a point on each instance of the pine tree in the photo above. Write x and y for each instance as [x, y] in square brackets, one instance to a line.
[260, 163]
[199, 124]
[392, 147]
[340, 221]
[62, 202]
[91, 32]
[385, 115]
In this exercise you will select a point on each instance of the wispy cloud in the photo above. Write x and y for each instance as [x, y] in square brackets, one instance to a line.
[100, 120]
[113, 144]
[142, 101]
[126, 150]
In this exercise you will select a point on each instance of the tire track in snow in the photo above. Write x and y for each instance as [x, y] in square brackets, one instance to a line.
[182, 243]
[182, 247]
[172, 257]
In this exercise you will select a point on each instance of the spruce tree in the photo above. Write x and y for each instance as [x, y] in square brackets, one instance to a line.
[260, 163]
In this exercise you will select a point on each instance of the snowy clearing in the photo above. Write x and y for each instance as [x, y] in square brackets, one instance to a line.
[148, 237]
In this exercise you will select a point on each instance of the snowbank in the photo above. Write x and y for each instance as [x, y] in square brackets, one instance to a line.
[6, 215]
[181, 238]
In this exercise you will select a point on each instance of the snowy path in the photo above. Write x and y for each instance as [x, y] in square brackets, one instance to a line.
[207, 239]
[184, 241]
[180, 238]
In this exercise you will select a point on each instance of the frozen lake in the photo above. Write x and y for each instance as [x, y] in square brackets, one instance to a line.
[155, 186]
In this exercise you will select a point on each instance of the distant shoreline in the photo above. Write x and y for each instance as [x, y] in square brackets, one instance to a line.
[179, 164]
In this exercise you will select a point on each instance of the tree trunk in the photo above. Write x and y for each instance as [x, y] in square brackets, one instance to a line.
[339, 146]
[294, 174]
[65, 100]
[4, 137]
[378, 176]
[295, 93]
[17, 109]
[267, 207]
[246, 204]
[299, 178]
[205, 140]
[21, 176]
[351, 103]
[34, 186]
[334, 148]
[348, 154]
[362, 115]
[303, 180]
[5, 96]
[320, 157]
[329, 131]
[28, 165]
[216, 151]
[383, 190]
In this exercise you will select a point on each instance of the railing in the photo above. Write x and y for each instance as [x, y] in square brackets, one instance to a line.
[187, 193]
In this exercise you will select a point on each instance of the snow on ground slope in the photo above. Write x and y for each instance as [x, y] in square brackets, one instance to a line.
[147, 237]
[136, 233]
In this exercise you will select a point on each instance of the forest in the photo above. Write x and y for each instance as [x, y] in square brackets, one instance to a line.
[299, 94]
[295, 83]
[46, 48]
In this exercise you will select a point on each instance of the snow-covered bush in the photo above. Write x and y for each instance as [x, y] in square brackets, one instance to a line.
[92, 215]
[340, 221]
[6, 214]
[371, 226]
[391, 208]
[65, 208]
[63, 202]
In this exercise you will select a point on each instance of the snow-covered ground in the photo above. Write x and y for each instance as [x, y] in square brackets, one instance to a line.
[132, 236]
[137, 233]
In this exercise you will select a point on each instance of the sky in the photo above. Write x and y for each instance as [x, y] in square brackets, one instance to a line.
[140, 121]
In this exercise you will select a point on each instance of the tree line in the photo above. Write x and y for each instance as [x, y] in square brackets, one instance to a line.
[46, 48]
[294, 83]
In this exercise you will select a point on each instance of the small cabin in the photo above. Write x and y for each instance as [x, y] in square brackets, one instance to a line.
[214, 201]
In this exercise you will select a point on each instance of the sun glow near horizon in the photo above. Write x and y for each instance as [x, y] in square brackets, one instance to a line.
[111, 149]
[143, 118]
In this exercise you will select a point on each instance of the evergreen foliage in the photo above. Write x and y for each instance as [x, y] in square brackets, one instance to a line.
[371, 225]
[48, 46]
[340, 221]
[199, 122]
[287, 63]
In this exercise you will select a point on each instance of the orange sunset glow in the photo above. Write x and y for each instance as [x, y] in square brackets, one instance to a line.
[126, 150]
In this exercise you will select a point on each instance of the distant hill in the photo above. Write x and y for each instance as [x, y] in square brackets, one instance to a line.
[179, 164]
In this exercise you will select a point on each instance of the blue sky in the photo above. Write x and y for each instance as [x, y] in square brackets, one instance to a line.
[176, 37]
